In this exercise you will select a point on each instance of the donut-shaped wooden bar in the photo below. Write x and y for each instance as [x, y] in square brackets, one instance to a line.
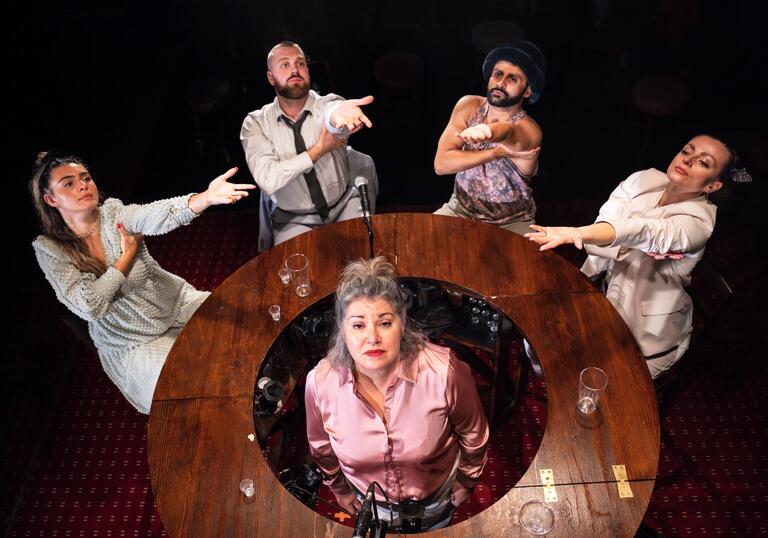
[201, 418]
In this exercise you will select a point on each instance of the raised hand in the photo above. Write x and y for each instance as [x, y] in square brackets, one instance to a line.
[325, 142]
[328, 141]
[477, 133]
[129, 245]
[220, 191]
[550, 237]
[349, 115]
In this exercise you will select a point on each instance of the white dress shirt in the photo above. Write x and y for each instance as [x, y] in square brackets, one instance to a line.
[278, 171]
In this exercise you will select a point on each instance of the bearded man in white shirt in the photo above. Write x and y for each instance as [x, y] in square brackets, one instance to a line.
[296, 151]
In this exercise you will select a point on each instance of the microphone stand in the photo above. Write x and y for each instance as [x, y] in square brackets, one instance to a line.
[368, 517]
[370, 235]
[361, 184]
[377, 527]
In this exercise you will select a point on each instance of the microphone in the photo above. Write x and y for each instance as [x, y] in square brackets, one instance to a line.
[363, 520]
[361, 183]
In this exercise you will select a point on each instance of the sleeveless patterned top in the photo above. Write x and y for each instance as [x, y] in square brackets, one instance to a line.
[495, 192]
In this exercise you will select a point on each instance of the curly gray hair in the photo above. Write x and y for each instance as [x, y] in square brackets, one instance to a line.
[371, 279]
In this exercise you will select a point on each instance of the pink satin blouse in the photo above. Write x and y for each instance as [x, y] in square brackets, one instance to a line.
[432, 415]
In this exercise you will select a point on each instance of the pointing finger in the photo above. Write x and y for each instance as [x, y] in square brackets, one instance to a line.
[365, 120]
[367, 100]
[229, 173]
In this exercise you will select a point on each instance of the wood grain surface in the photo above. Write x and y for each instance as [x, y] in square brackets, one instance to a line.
[201, 416]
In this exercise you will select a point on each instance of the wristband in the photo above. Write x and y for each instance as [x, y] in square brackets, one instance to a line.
[335, 131]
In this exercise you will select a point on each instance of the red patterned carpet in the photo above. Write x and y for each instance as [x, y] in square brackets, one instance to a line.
[77, 467]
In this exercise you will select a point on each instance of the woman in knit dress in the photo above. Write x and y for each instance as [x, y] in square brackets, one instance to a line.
[93, 255]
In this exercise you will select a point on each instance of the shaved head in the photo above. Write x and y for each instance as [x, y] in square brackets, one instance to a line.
[273, 51]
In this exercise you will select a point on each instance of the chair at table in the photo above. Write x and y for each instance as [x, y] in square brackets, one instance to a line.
[79, 330]
[360, 164]
[711, 295]
[502, 372]
[477, 333]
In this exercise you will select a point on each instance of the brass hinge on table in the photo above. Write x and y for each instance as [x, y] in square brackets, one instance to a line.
[548, 479]
[620, 472]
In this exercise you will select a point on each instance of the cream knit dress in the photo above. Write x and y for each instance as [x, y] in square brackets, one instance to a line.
[134, 319]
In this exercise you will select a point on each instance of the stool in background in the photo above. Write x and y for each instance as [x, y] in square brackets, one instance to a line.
[658, 97]
[203, 98]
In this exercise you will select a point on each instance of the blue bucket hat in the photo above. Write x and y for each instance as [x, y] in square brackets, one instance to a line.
[527, 57]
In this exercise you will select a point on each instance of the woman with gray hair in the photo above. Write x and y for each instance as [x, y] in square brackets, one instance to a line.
[386, 406]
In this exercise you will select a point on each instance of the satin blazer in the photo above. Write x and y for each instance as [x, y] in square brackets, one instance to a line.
[649, 294]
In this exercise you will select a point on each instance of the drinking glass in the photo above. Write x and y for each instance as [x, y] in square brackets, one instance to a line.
[285, 275]
[246, 486]
[536, 517]
[298, 265]
[592, 383]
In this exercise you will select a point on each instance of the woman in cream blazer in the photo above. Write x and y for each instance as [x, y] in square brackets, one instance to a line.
[647, 239]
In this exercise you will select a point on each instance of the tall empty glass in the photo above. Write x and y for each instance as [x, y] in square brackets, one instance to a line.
[298, 265]
[592, 383]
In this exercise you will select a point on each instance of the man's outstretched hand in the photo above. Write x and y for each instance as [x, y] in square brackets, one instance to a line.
[350, 116]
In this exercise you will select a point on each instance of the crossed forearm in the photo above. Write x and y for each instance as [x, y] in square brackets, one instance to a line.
[457, 160]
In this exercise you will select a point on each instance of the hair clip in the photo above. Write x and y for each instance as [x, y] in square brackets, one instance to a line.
[740, 175]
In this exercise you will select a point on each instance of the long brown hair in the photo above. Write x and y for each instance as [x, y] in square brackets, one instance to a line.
[51, 222]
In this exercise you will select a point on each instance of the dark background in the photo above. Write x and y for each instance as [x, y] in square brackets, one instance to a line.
[152, 94]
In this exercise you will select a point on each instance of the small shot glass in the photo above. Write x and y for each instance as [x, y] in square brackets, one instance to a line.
[285, 275]
[246, 486]
[274, 311]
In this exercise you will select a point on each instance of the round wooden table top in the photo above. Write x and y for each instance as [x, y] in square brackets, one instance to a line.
[200, 429]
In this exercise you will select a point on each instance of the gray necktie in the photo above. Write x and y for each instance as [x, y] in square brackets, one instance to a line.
[315, 192]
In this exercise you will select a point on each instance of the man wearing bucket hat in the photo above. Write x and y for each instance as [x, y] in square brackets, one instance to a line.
[491, 143]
